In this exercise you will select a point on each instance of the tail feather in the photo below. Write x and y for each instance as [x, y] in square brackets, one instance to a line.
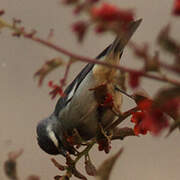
[123, 38]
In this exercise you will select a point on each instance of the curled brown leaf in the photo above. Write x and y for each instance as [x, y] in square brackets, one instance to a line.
[47, 68]
[89, 167]
[58, 165]
[10, 166]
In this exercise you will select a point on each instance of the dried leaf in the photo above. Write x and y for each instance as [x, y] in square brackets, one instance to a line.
[47, 68]
[90, 168]
[10, 169]
[152, 63]
[10, 166]
[168, 43]
[77, 174]
[165, 95]
[103, 173]
[58, 165]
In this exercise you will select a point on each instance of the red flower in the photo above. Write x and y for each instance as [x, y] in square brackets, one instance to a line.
[145, 104]
[103, 145]
[108, 102]
[109, 12]
[176, 8]
[149, 118]
[155, 121]
[138, 118]
[134, 78]
[80, 28]
[56, 90]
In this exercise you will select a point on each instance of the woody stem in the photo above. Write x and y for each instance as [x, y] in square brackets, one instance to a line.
[85, 59]
[121, 118]
[85, 151]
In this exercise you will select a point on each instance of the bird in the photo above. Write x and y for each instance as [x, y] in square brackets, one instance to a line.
[79, 111]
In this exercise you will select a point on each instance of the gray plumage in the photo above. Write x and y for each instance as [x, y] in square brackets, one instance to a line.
[79, 108]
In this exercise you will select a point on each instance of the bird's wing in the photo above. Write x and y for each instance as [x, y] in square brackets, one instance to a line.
[116, 47]
[71, 88]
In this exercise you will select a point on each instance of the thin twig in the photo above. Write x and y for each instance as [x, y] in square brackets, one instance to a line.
[85, 59]
[95, 61]
[121, 118]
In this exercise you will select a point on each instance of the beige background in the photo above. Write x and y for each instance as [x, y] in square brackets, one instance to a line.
[23, 104]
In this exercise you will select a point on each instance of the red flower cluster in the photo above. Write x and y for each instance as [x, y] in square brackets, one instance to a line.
[148, 118]
[108, 102]
[109, 12]
[138, 118]
[56, 90]
[176, 8]
[103, 145]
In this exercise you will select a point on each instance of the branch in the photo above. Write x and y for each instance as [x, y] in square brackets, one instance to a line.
[121, 133]
[21, 31]
[95, 61]
[121, 118]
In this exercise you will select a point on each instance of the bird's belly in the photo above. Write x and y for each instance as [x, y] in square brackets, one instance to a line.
[82, 112]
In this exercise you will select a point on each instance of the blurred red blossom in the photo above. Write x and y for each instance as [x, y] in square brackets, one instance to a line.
[80, 28]
[149, 118]
[176, 8]
[138, 118]
[134, 79]
[2, 12]
[100, 29]
[108, 12]
[155, 121]
[56, 89]
[145, 104]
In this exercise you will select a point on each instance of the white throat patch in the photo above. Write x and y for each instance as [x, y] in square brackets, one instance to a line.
[52, 136]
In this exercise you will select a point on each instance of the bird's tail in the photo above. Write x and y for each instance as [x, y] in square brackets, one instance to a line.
[122, 39]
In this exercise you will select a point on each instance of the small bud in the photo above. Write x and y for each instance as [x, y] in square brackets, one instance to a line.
[80, 29]
[2, 12]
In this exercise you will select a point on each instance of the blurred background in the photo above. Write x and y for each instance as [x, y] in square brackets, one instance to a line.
[23, 103]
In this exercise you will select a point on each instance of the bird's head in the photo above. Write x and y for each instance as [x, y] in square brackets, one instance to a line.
[48, 136]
